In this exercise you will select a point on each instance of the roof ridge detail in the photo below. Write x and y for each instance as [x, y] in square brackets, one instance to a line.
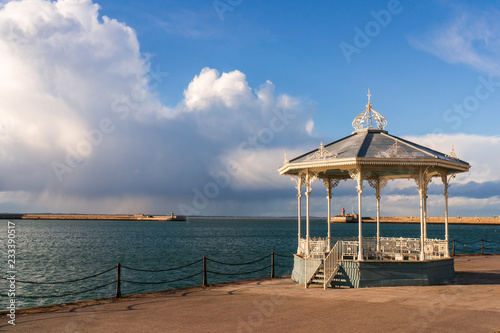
[365, 119]
[407, 143]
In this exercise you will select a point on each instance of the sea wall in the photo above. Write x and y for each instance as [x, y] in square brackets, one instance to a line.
[436, 220]
[120, 217]
[430, 220]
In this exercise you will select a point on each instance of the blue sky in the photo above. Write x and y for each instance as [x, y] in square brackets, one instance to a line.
[160, 106]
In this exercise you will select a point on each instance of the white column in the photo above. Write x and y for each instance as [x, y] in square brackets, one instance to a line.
[298, 182]
[446, 236]
[329, 198]
[425, 215]
[378, 214]
[421, 193]
[360, 227]
[308, 193]
[299, 199]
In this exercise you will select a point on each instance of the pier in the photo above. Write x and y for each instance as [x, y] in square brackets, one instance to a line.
[471, 304]
[116, 217]
[416, 219]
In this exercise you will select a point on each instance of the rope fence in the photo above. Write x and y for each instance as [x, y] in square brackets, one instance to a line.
[242, 273]
[161, 282]
[479, 246]
[239, 264]
[162, 270]
[119, 280]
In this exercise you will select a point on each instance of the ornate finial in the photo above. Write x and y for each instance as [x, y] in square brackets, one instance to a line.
[365, 118]
[286, 159]
[452, 153]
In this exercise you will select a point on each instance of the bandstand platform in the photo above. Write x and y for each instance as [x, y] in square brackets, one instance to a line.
[397, 263]
[371, 154]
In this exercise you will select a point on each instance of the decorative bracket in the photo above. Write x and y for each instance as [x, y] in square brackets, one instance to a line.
[378, 184]
[421, 179]
[310, 177]
[299, 181]
[359, 175]
[331, 183]
[446, 179]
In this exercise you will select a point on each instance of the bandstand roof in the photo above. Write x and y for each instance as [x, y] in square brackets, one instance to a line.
[374, 149]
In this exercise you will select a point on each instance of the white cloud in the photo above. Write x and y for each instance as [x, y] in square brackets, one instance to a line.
[209, 89]
[63, 67]
[256, 169]
[472, 37]
[223, 106]
[309, 126]
[66, 70]
[478, 206]
[481, 152]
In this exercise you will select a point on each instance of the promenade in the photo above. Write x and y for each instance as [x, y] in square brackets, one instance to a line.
[472, 304]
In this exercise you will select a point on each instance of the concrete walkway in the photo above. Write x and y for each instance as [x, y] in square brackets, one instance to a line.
[280, 305]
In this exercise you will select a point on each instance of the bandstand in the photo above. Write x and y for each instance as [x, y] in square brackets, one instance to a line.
[371, 154]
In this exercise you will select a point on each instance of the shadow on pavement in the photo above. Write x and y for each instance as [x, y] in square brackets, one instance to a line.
[466, 278]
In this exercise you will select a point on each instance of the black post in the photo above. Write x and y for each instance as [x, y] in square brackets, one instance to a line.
[482, 246]
[118, 278]
[205, 283]
[453, 252]
[272, 265]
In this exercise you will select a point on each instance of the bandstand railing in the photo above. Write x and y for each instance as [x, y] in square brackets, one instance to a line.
[436, 248]
[390, 248]
[348, 249]
[317, 247]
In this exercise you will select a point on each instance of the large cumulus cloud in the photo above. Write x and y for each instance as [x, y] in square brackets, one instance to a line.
[81, 127]
[61, 68]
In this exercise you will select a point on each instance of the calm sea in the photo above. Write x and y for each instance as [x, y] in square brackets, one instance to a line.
[52, 251]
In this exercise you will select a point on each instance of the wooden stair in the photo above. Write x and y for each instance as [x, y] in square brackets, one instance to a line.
[319, 277]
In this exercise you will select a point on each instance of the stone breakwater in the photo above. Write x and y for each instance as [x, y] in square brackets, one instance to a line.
[119, 217]
[435, 220]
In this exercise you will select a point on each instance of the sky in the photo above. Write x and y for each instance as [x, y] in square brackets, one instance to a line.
[166, 106]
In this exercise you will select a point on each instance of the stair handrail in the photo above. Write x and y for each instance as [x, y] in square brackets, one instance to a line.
[331, 263]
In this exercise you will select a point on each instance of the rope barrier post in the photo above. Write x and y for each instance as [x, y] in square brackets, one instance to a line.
[453, 251]
[482, 246]
[272, 265]
[118, 277]
[205, 283]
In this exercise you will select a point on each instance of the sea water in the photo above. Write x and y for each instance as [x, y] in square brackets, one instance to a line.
[57, 251]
